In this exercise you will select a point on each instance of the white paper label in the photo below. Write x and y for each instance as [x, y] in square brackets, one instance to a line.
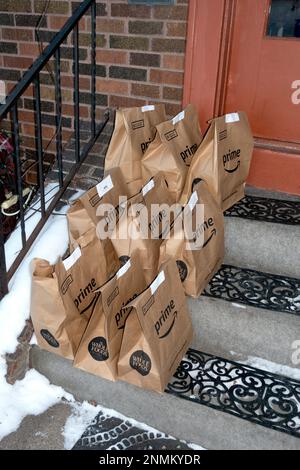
[124, 269]
[233, 117]
[104, 186]
[148, 187]
[193, 200]
[150, 107]
[178, 118]
[69, 262]
[157, 282]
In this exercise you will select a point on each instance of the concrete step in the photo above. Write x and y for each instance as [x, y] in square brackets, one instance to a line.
[263, 233]
[223, 327]
[184, 418]
[265, 246]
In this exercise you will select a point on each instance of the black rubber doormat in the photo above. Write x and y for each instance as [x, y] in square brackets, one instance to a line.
[256, 289]
[246, 392]
[113, 433]
[266, 210]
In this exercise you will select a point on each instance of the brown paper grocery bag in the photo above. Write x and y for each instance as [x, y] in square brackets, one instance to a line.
[223, 159]
[134, 130]
[84, 214]
[198, 248]
[158, 332]
[99, 348]
[145, 219]
[57, 329]
[173, 149]
[89, 266]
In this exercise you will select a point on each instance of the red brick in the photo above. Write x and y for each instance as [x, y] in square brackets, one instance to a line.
[29, 49]
[166, 77]
[112, 86]
[125, 102]
[148, 91]
[176, 29]
[18, 34]
[17, 62]
[173, 94]
[175, 62]
[166, 12]
[111, 57]
[105, 25]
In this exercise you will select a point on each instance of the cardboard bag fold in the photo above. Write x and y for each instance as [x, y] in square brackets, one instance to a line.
[57, 329]
[89, 266]
[134, 129]
[99, 348]
[172, 150]
[144, 219]
[223, 159]
[196, 245]
[84, 213]
[158, 332]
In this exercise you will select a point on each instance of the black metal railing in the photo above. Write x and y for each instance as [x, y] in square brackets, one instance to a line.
[10, 108]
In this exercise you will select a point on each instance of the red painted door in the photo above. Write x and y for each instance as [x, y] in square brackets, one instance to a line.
[257, 69]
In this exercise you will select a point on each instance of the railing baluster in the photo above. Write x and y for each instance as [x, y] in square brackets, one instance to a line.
[58, 117]
[39, 141]
[15, 121]
[76, 92]
[93, 69]
[3, 273]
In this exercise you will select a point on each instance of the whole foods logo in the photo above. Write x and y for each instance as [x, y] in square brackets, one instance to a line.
[49, 338]
[232, 156]
[98, 349]
[183, 270]
[141, 362]
[169, 314]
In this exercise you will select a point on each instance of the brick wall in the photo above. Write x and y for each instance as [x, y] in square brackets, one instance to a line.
[140, 57]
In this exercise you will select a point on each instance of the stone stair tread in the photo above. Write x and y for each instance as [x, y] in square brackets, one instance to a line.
[226, 420]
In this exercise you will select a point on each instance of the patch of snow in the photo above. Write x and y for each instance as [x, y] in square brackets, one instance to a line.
[34, 394]
[31, 396]
[234, 304]
[84, 413]
[270, 366]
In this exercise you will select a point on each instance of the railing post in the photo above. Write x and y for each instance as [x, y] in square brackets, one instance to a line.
[58, 117]
[76, 92]
[17, 162]
[3, 272]
[93, 68]
[39, 140]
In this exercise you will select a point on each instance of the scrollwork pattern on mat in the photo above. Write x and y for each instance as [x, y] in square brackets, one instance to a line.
[241, 390]
[257, 289]
[267, 210]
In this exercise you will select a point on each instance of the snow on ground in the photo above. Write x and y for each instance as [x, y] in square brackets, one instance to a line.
[34, 394]
[83, 414]
[31, 396]
[259, 363]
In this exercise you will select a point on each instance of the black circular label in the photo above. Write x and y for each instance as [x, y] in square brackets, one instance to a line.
[98, 349]
[183, 270]
[141, 362]
[195, 182]
[123, 259]
[49, 338]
